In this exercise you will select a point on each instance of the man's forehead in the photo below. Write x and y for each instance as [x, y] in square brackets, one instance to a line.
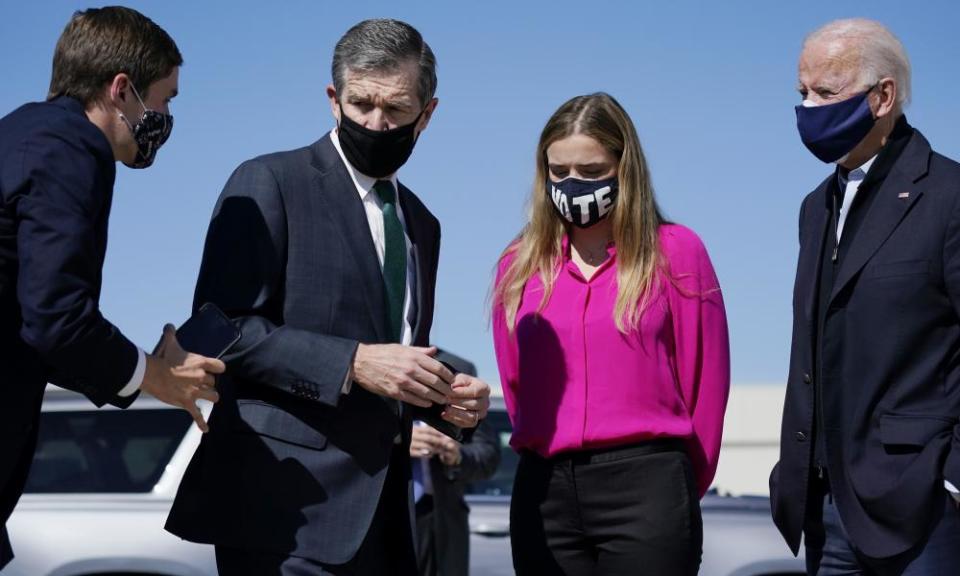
[833, 59]
[399, 83]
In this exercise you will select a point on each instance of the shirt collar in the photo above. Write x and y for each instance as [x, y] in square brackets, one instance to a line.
[363, 182]
[864, 169]
[858, 174]
[876, 168]
[567, 261]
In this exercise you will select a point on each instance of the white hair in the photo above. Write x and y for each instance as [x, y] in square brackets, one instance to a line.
[880, 52]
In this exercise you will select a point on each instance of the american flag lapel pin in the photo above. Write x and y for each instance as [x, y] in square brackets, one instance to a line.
[903, 195]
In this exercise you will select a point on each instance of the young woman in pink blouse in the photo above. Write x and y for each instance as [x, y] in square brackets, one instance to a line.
[611, 339]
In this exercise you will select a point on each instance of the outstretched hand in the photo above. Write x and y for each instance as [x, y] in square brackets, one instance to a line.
[180, 378]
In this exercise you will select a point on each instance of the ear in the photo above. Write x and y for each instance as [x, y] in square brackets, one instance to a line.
[427, 114]
[886, 97]
[118, 88]
[334, 106]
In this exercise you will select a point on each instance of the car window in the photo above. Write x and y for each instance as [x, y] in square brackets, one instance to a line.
[501, 483]
[105, 450]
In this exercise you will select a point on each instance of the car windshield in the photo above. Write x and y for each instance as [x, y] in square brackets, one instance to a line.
[501, 483]
[105, 450]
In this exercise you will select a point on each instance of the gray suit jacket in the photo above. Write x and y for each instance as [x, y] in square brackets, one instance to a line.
[291, 466]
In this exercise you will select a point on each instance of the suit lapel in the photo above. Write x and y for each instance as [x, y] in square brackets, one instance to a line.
[816, 225]
[887, 210]
[421, 251]
[341, 203]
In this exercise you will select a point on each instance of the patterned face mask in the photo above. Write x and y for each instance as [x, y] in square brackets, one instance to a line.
[150, 132]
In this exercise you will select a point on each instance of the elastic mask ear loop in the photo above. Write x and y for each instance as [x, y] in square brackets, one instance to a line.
[142, 105]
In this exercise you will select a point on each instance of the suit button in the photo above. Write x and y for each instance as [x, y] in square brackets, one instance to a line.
[806, 378]
[801, 437]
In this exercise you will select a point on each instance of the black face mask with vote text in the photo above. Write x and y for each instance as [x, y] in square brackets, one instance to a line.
[376, 153]
[583, 203]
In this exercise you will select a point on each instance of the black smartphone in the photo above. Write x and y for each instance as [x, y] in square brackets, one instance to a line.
[208, 332]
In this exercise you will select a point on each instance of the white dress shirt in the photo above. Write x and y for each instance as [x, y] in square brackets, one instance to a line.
[374, 209]
[137, 379]
[854, 179]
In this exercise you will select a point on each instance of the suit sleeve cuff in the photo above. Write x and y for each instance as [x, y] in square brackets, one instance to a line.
[138, 373]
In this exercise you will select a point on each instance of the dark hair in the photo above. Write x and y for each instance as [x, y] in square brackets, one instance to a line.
[383, 44]
[100, 43]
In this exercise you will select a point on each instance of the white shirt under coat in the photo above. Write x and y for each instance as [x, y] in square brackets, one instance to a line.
[373, 207]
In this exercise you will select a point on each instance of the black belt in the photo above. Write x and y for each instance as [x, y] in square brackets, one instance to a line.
[609, 454]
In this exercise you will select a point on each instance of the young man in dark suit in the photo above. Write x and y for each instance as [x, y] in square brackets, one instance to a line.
[327, 263]
[114, 74]
[870, 445]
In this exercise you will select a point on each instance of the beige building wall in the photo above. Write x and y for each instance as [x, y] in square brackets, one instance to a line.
[751, 439]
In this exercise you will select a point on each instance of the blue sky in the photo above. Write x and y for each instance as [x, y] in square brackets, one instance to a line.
[710, 86]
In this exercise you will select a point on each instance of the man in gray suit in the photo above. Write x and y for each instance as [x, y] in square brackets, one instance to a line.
[327, 264]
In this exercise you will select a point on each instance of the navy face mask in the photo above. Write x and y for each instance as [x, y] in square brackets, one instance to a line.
[831, 131]
[583, 203]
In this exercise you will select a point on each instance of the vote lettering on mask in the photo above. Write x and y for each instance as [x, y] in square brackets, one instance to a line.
[583, 203]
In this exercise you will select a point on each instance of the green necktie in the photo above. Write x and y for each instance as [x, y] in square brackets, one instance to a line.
[394, 258]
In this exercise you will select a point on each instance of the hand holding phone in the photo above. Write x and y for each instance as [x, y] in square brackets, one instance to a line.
[184, 365]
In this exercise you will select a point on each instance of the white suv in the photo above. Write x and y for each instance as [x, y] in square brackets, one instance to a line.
[103, 481]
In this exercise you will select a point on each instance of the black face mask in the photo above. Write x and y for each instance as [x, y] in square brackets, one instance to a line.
[376, 153]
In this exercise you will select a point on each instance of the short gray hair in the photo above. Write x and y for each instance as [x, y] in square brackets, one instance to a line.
[381, 45]
[881, 53]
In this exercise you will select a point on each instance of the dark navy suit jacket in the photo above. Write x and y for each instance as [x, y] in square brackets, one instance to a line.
[291, 466]
[890, 375]
[56, 186]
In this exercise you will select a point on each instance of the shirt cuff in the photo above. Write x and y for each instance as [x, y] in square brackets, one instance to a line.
[952, 490]
[138, 373]
[347, 383]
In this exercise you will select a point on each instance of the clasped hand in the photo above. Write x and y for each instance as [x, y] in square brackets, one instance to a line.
[411, 374]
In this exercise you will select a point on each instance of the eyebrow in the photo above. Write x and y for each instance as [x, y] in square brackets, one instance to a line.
[396, 101]
[593, 165]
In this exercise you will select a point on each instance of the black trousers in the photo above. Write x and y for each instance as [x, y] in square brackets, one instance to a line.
[387, 549]
[632, 510]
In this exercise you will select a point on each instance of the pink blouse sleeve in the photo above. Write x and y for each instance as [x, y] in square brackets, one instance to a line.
[504, 346]
[702, 349]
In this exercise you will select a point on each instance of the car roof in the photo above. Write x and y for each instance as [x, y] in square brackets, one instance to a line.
[59, 399]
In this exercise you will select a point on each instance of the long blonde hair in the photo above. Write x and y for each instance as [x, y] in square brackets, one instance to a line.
[636, 216]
